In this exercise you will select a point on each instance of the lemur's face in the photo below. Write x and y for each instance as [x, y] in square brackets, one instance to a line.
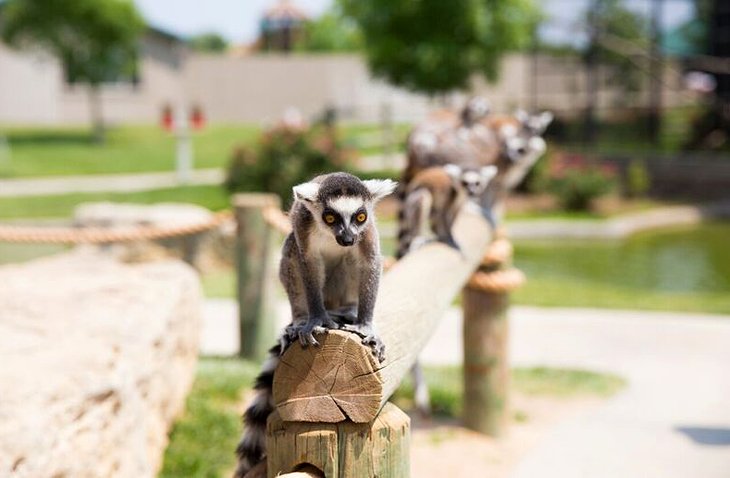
[473, 180]
[522, 141]
[343, 204]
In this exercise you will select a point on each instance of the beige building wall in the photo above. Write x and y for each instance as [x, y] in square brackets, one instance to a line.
[30, 84]
[260, 88]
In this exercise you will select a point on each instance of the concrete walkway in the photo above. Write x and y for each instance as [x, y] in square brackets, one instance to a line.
[671, 421]
[106, 183]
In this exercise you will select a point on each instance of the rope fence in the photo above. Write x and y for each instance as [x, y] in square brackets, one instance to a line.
[100, 235]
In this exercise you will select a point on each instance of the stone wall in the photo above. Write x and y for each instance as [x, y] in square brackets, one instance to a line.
[97, 358]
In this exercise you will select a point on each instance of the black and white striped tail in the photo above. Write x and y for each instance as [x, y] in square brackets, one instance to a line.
[251, 450]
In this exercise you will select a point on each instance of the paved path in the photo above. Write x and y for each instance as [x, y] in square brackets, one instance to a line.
[672, 420]
[105, 183]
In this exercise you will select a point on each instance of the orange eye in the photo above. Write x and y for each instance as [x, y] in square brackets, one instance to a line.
[329, 219]
[361, 217]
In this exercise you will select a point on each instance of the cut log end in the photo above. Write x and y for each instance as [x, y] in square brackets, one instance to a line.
[336, 381]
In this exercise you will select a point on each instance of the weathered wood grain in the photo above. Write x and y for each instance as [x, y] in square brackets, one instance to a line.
[340, 379]
[341, 450]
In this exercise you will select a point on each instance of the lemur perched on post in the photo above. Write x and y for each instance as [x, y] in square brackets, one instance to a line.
[434, 198]
[330, 269]
[474, 138]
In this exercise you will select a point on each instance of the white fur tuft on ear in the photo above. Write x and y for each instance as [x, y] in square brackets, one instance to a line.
[379, 188]
[453, 170]
[488, 172]
[306, 192]
[546, 118]
[522, 116]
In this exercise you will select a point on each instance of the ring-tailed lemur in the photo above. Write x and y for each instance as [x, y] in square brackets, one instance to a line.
[330, 269]
[434, 198]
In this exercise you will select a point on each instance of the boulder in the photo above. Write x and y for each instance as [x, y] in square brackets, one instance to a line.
[97, 359]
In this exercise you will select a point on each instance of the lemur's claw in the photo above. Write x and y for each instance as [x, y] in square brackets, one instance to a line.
[377, 346]
[368, 338]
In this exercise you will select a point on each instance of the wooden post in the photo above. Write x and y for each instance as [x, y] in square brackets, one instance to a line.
[485, 302]
[340, 379]
[341, 450]
[257, 328]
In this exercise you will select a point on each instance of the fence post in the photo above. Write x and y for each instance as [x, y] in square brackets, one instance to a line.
[485, 302]
[342, 450]
[253, 247]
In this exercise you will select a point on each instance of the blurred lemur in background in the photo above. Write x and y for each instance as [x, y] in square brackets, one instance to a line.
[433, 200]
[330, 269]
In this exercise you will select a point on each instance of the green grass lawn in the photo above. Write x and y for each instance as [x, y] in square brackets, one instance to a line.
[131, 149]
[203, 439]
[128, 149]
[214, 198]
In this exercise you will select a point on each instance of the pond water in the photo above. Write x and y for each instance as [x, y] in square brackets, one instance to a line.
[693, 259]
[680, 270]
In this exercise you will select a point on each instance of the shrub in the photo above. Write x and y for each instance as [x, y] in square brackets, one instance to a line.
[283, 157]
[637, 179]
[577, 182]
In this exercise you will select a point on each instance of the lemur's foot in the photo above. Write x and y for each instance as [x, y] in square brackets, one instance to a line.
[315, 325]
[368, 338]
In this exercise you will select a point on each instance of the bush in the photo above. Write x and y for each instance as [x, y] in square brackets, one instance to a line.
[637, 179]
[577, 182]
[283, 157]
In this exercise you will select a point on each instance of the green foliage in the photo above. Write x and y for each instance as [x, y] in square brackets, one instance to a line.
[208, 42]
[577, 182]
[283, 158]
[96, 40]
[434, 46]
[331, 32]
[621, 33]
[203, 440]
[637, 179]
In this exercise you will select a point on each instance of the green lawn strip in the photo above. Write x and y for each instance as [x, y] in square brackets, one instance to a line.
[445, 385]
[551, 291]
[204, 438]
[128, 149]
[211, 197]
[142, 148]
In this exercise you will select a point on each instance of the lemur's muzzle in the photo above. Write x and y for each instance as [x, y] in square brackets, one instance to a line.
[345, 238]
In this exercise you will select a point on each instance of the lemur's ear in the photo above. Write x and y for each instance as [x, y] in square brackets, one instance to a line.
[453, 170]
[546, 118]
[522, 116]
[306, 192]
[488, 172]
[379, 188]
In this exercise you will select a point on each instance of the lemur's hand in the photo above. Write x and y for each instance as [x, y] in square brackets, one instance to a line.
[315, 325]
[368, 338]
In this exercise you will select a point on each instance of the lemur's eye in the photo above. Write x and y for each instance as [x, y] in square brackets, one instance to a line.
[329, 218]
[361, 217]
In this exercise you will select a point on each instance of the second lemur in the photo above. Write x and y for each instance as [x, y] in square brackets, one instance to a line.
[433, 199]
[330, 269]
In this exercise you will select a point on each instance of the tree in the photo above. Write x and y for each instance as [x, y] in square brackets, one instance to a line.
[622, 38]
[208, 42]
[434, 46]
[332, 32]
[95, 40]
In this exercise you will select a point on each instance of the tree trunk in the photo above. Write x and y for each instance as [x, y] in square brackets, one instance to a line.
[97, 115]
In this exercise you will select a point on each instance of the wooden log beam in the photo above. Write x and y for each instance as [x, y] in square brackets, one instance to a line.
[340, 379]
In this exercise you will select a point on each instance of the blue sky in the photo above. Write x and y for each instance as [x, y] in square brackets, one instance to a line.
[237, 20]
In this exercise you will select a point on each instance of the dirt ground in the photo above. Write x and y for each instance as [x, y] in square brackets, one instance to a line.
[444, 448]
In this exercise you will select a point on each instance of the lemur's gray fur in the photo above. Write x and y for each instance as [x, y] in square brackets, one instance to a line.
[330, 269]
[433, 200]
